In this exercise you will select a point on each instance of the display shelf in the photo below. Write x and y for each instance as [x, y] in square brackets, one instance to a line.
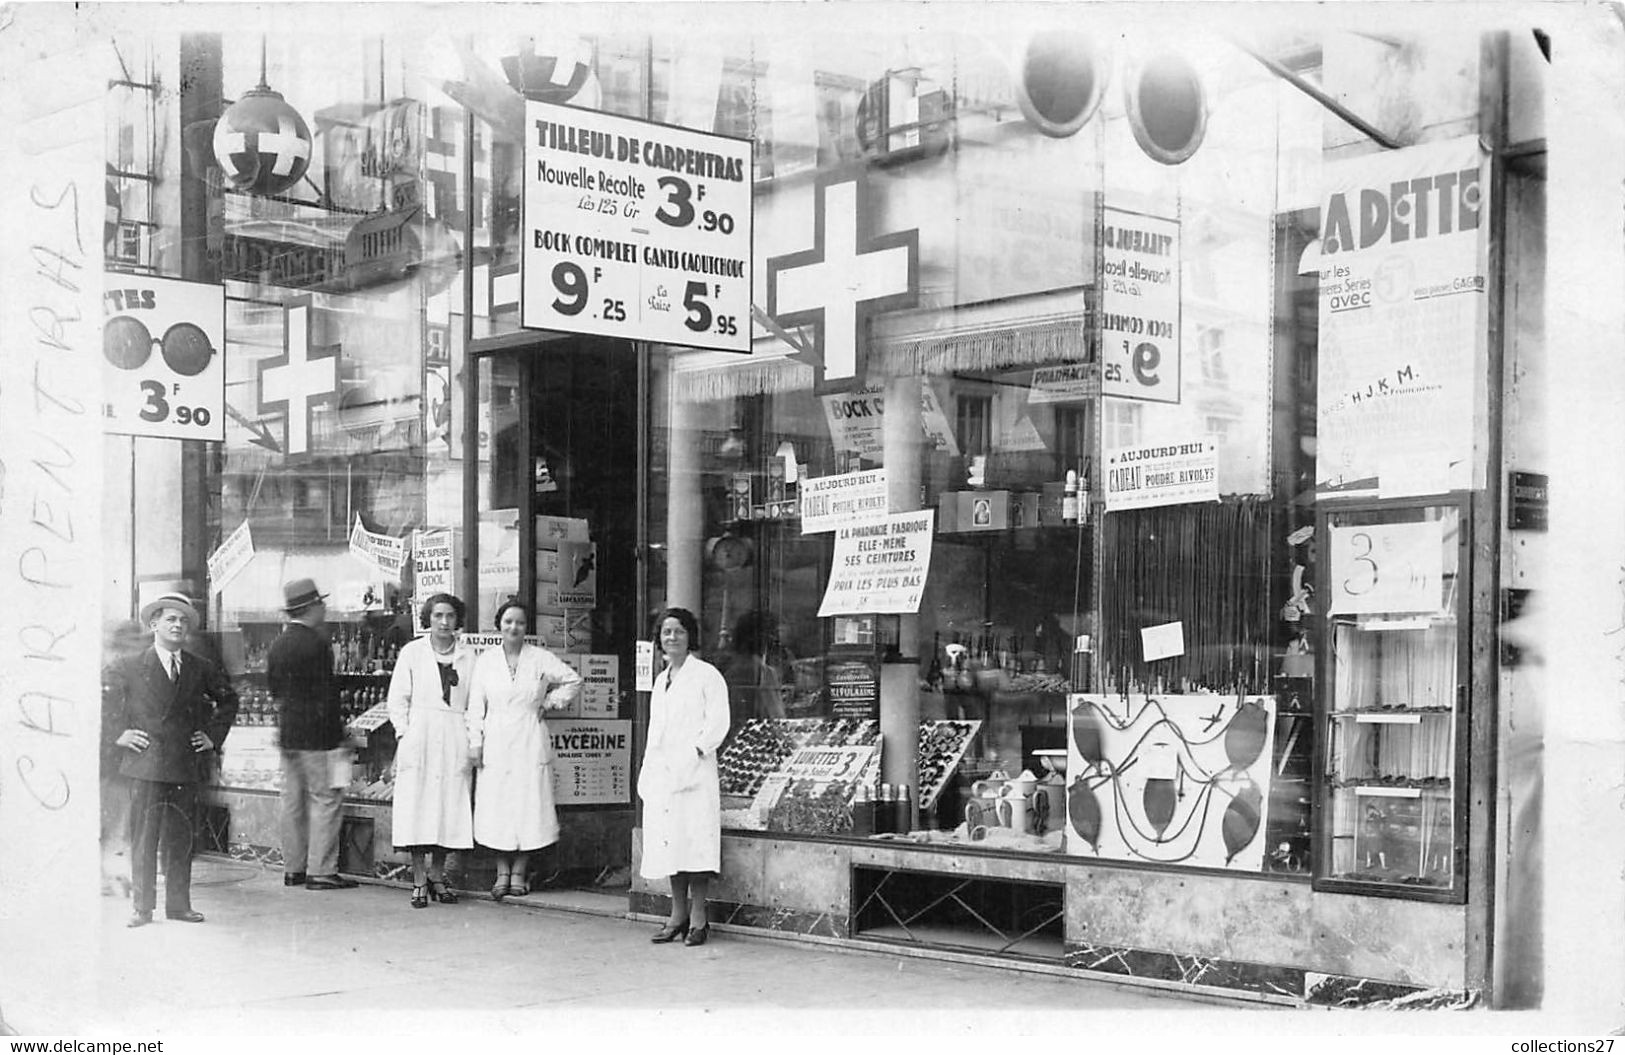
[1393, 721]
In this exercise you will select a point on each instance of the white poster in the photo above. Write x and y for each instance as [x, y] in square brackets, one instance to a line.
[232, 557]
[1161, 474]
[1402, 305]
[1169, 780]
[577, 574]
[636, 230]
[163, 370]
[857, 421]
[881, 567]
[1139, 306]
[1390, 568]
[829, 502]
[433, 569]
[387, 552]
[592, 761]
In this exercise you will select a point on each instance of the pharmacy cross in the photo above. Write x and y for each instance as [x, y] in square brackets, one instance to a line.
[848, 275]
[300, 378]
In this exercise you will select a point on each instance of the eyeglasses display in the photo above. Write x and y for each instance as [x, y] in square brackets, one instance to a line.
[128, 344]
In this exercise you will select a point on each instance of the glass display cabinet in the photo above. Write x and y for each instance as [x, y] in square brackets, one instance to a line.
[1393, 739]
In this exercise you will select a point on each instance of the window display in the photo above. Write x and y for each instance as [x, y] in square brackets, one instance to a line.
[1391, 785]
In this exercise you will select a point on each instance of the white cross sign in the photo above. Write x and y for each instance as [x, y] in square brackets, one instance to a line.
[845, 277]
[300, 378]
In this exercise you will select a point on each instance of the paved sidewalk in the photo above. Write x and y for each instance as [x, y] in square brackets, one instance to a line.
[275, 960]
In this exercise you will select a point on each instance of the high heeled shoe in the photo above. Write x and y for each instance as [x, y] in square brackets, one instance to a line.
[439, 891]
[698, 935]
[670, 932]
[420, 897]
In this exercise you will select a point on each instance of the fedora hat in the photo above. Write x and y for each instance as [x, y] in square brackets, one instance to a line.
[300, 594]
[178, 601]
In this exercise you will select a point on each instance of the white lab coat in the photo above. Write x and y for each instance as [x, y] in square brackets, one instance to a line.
[432, 803]
[513, 795]
[682, 797]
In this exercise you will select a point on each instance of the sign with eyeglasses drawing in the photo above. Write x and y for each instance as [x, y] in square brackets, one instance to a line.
[162, 368]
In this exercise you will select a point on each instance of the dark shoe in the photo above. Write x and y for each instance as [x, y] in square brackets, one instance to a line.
[439, 891]
[293, 879]
[332, 882]
[420, 897]
[698, 936]
[139, 919]
[499, 889]
[187, 916]
[670, 932]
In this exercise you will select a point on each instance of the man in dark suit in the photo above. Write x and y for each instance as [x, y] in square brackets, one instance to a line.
[175, 707]
[310, 730]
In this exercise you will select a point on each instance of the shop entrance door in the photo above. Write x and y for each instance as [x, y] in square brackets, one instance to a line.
[576, 492]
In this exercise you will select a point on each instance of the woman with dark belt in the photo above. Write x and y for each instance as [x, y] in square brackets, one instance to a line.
[682, 798]
[428, 693]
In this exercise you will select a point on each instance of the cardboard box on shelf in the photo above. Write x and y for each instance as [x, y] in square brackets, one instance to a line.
[984, 510]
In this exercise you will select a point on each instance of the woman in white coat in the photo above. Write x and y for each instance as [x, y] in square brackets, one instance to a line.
[509, 742]
[682, 797]
[428, 692]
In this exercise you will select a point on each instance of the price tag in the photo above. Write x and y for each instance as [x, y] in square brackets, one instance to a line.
[636, 230]
[163, 371]
[1389, 568]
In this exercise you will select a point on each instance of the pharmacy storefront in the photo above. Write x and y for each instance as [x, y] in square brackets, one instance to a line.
[1092, 448]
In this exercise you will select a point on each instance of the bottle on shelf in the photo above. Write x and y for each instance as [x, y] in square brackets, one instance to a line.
[1069, 498]
[883, 809]
[902, 819]
[863, 812]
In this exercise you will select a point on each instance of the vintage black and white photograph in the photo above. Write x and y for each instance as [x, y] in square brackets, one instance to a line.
[1039, 519]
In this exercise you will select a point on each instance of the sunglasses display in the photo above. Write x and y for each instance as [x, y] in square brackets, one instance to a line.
[128, 344]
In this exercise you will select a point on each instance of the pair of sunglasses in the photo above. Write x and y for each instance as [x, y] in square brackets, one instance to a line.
[128, 344]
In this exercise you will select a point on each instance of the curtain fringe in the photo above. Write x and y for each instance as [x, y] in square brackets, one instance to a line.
[1056, 340]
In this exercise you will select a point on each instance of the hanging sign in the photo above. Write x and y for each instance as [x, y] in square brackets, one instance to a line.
[636, 230]
[849, 273]
[1139, 306]
[829, 502]
[1161, 474]
[163, 370]
[1067, 383]
[880, 568]
[232, 557]
[1402, 303]
[1391, 568]
[857, 421]
[386, 552]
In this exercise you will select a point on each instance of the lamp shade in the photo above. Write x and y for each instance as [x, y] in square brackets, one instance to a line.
[262, 144]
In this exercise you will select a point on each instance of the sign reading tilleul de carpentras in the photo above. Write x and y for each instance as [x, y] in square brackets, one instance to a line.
[636, 230]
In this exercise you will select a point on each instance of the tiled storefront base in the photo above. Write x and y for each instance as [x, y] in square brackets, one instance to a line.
[1322, 990]
[780, 920]
[1239, 934]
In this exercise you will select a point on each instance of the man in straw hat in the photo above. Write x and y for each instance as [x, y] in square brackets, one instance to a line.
[310, 730]
[175, 707]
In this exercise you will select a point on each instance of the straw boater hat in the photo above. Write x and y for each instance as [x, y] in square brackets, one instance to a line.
[300, 594]
[177, 601]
